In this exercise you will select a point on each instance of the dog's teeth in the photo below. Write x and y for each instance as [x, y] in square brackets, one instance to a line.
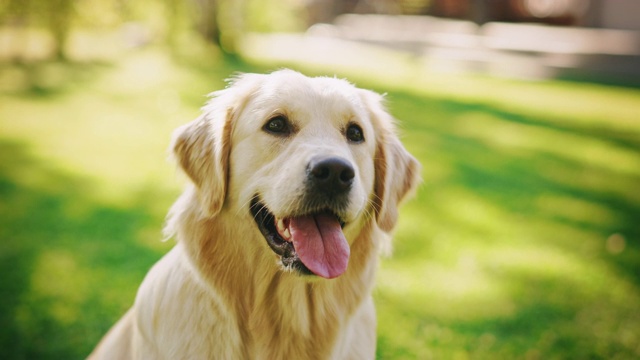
[283, 230]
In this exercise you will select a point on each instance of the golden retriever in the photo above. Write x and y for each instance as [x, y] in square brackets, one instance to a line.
[295, 187]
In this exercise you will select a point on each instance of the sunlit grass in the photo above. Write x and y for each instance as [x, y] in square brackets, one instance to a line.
[522, 242]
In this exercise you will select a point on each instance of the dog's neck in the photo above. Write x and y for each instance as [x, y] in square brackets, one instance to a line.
[269, 302]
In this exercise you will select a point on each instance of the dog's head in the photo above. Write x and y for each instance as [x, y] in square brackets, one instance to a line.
[310, 160]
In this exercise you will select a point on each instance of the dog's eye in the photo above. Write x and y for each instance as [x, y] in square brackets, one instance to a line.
[277, 125]
[354, 133]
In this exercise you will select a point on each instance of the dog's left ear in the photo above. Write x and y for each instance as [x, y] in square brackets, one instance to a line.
[202, 147]
[397, 172]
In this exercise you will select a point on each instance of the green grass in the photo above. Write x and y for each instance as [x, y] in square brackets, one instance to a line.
[522, 242]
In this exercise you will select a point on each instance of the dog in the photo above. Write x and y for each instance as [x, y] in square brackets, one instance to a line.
[294, 189]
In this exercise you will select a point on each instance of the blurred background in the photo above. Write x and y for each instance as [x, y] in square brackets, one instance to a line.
[522, 243]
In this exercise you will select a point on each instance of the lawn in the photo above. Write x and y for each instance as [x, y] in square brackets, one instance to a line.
[522, 242]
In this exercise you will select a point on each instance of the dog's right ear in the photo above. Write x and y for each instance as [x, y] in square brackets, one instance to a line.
[202, 147]
[202, 150]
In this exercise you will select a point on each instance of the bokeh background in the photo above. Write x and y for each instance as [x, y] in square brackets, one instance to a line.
[522, 243]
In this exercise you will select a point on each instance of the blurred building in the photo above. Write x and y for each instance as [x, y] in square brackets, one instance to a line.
[577, 39]
[616, 14]
[613, 14]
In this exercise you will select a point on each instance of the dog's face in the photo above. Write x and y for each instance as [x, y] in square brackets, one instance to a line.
[310, 160]
[302, 156]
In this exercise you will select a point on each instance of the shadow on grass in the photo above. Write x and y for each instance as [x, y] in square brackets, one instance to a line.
[516, 179]
[70, 266]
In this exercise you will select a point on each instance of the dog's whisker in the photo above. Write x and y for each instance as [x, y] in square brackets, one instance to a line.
[244, 206]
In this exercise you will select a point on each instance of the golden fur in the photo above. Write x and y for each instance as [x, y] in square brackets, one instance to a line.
[221, 291]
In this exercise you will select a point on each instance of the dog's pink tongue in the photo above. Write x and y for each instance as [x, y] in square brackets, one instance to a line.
[320, 244]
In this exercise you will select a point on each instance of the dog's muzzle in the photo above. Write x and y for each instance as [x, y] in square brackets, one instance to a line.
[310, 239]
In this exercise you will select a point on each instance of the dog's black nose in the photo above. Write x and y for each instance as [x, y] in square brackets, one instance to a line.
[332, 175]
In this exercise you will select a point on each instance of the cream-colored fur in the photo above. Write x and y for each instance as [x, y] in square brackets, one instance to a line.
[221, 292]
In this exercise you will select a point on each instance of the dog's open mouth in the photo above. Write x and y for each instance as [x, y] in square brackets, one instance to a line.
[312, 243]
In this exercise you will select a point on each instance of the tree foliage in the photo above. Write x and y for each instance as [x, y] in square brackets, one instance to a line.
[220, 22]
